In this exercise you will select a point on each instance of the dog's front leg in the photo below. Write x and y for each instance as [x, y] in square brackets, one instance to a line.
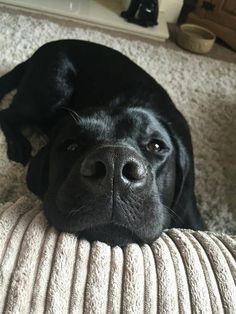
[18, 147]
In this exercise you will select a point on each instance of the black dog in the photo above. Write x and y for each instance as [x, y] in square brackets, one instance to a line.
[118, 166]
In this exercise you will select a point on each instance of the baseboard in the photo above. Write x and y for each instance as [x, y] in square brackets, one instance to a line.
[101, 13]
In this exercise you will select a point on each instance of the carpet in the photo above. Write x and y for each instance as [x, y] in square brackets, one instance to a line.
[204, 90]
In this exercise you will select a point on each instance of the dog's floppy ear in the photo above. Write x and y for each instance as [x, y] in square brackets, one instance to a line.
[37, 175]
[184, 171]
[184, 203]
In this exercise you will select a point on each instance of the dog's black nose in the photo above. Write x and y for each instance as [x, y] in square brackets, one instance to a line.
[109, 164]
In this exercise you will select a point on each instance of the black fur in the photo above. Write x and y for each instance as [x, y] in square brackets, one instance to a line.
[98, 176]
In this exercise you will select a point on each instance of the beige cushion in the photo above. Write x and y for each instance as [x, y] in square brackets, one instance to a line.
[43, 270]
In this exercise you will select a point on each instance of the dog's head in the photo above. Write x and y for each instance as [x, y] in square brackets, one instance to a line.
[110, 175]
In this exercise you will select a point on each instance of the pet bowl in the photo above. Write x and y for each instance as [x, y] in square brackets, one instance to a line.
[195, 38]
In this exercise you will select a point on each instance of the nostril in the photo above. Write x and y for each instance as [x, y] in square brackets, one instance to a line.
[93, 169]
[133, 171]
[100, 170]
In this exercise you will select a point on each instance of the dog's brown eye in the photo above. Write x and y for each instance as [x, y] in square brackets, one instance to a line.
[153, 146]
[72, 147]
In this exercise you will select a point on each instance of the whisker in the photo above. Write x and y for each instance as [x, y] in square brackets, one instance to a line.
[73, 212]
[174, 215]
[88, 207]
[73, 114]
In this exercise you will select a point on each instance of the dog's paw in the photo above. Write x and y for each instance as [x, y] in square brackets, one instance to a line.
[19, 150]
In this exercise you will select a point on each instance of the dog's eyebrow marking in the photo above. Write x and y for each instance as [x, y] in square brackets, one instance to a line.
[156, 125]
[137, 113]
[145, 112]
[97, 123]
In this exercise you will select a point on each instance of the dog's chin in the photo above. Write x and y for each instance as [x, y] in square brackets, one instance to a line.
[111, 234]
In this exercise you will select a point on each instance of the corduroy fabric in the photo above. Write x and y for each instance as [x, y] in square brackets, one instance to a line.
[43, 271]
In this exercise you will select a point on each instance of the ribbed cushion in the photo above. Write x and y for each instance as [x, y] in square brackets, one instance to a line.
[42, 270]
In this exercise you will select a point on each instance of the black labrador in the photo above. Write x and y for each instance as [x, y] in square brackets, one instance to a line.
[118, 166]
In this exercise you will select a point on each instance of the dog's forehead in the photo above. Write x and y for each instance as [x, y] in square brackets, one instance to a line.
[129, 122]
[91, 126]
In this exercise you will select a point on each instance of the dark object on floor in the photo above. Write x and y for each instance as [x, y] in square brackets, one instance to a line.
[142, 12]
[208, 6]
[118, 166]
